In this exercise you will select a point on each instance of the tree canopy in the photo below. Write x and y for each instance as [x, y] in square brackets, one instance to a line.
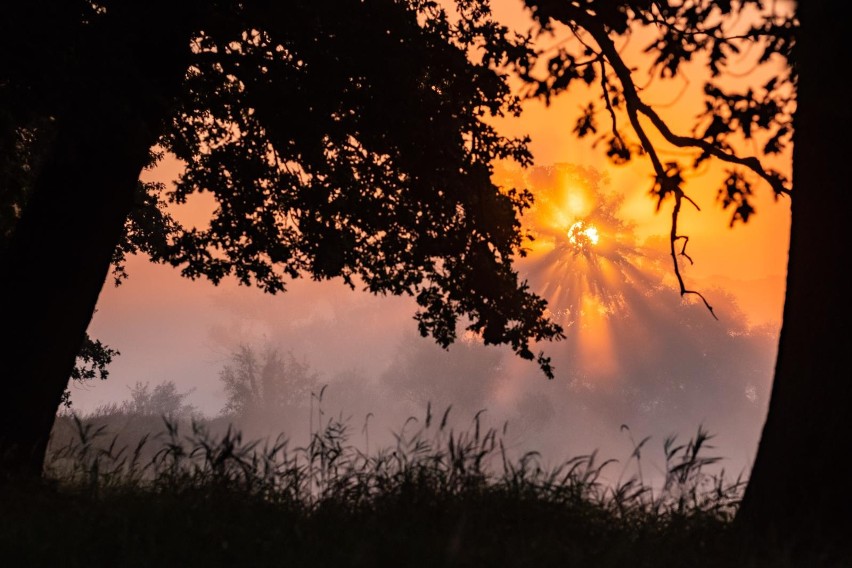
[346, 140]
[265, 385]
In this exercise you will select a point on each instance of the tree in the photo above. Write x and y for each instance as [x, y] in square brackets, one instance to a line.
[266, 387]
[340, 139]
[92, 362]
[795, 486]
[795, 493]
[164, 401]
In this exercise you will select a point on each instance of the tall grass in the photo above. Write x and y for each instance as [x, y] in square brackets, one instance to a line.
[428, 455]
[436, 496]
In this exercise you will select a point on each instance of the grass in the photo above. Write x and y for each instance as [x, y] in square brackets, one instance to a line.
[435, 497]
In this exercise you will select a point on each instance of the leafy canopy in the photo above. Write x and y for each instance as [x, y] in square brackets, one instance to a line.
[342, 139]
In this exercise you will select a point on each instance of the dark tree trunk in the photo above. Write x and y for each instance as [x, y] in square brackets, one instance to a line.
[798, 490]
[54, 272]
[59, 255]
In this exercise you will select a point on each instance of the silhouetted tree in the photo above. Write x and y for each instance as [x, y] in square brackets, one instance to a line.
[92, 362]
[341, 139]
[266, 386]
[796, 492]
[164, 400]
[797, 484]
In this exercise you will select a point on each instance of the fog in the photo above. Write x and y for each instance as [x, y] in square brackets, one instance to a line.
[638, 360]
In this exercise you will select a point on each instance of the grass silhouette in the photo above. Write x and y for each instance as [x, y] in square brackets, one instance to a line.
[185, 496]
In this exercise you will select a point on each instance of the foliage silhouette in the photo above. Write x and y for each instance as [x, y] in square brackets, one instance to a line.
[163, 400]
[92, 361]
[86, 100]
[267, 390]
[807, 420]
[343, 140]
[411, 501]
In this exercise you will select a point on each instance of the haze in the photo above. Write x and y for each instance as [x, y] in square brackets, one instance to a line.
[636, 354]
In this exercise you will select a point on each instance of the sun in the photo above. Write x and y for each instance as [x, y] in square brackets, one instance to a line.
[582, 257]
[583, 236]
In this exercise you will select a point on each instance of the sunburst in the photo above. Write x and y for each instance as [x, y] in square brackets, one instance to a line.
[583, 236]
[584, 260]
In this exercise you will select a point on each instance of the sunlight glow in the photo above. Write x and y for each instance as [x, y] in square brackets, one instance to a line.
[582, 235]
[576, 205]
[585, 261]
[595, 340]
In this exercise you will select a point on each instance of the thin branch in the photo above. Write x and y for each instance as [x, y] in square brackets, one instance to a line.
[663, 177]
[673, 238]
[633, 100]
[683, 248]
[659, 22]
[608, 102]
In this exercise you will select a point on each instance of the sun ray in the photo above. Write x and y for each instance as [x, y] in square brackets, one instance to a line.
[585, 261]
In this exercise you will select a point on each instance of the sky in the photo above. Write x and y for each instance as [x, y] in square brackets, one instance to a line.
[635, 354]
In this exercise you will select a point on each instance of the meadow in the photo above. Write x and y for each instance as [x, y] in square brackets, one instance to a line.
[194, 492]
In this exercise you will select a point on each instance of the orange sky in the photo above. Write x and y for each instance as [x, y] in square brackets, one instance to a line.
[750, 259]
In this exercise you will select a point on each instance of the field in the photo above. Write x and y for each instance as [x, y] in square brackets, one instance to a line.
[189, 493]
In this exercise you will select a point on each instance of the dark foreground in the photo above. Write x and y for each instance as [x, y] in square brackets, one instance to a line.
[437, 498]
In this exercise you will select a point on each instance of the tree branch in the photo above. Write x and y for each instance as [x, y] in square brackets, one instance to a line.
[668, 183]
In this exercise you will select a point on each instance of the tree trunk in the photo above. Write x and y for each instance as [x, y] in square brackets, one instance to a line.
[798, 489]
[54, 272]
[128, 70]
